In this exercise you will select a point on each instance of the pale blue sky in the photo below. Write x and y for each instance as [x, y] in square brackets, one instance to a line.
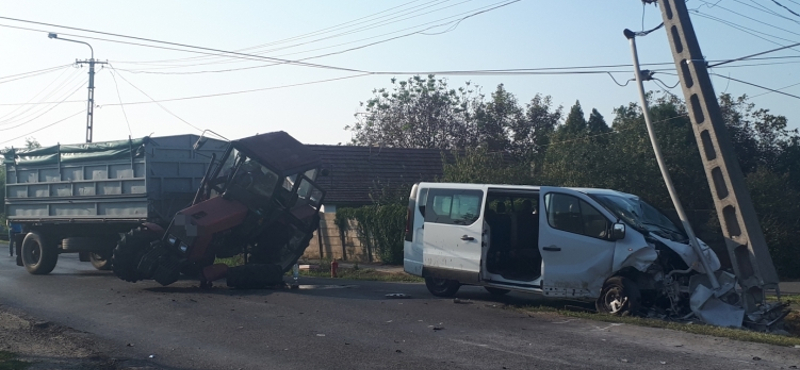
[525, 34]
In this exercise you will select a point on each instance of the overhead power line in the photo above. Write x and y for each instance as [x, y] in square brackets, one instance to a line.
[44, 127]
[232, 53]
[20, 76]
[754, 55]
[787, 9]
[157, 102]
[756, 85]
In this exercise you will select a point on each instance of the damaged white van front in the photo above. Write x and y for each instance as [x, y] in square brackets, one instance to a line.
[591, 244]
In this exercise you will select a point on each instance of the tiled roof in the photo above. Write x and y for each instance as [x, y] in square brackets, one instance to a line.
[353, 171]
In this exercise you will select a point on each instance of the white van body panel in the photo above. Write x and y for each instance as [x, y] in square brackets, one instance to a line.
[449, 246]
[412, 250]
[572, 265]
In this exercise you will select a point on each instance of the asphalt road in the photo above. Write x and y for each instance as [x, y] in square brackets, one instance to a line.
[335, 324]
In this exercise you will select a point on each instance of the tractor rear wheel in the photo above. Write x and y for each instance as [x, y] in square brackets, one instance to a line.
[129, 251]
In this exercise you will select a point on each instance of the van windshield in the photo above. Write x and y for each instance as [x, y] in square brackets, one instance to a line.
[641, 215]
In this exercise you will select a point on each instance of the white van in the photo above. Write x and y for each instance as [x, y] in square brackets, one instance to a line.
[589, 244]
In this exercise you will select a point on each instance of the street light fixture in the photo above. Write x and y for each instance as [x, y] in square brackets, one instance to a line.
[90, 105]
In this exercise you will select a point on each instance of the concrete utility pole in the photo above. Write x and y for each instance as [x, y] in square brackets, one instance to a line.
[90, 104]
[744, 239]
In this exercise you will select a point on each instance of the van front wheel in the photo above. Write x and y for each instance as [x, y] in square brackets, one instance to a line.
[441, 287]
[620, 296]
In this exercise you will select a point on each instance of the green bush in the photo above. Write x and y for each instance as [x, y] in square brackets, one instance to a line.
[380, 229]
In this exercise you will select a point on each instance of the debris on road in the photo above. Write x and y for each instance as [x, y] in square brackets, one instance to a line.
[397, 295]
[462, 301]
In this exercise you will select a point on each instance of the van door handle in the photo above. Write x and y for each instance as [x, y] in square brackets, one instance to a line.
[552, 248]
[467, 237]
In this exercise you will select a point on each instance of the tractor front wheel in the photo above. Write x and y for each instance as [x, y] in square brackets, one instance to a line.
[129, 252]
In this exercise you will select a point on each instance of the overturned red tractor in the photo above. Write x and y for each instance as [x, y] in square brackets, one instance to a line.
[259, 201]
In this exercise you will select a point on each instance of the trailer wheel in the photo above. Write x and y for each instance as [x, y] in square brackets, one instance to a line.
[129, 252]
[100, 262]
[441, 287]
[39, 255]
[620, 296]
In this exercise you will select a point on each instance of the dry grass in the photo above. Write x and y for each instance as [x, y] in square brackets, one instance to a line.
[695, 328]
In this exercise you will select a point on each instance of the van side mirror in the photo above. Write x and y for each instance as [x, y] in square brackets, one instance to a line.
[618, 231]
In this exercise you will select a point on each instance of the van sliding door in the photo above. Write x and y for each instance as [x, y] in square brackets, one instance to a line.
[453, 234]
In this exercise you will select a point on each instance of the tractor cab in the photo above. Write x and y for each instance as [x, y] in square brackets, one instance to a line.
[258, 201]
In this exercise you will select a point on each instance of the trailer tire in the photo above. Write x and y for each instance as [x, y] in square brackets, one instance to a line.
[100, 261]
[497, 292]
[620, 296]
[129, 252]
[39, 255]
[441, 287]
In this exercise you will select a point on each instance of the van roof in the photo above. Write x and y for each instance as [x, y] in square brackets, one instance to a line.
[591, 191]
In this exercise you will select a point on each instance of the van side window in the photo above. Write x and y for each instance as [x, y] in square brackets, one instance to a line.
[570, 214]
[457, 207]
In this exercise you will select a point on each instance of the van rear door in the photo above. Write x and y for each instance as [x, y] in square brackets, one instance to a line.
[577, 252]
[454, 233]
[415, 218]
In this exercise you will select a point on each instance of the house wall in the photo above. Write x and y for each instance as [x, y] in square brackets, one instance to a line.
[331, 239]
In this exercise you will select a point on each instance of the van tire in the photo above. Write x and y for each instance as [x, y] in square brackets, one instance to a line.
[497, 292]
[620, 296]
[441, 287]
[39, 255]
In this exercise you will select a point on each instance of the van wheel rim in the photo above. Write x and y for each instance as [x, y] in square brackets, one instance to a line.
[615, 301]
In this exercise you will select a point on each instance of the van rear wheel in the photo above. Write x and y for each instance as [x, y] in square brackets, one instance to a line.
[441, 287]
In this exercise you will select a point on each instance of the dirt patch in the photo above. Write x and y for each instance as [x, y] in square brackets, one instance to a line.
[30, 344]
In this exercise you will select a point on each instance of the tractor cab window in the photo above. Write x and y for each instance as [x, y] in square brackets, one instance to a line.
[307, 191]
[246, 173]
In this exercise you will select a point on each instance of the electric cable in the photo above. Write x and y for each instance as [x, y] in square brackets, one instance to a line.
[232, 53]
[34, 97]
[754, 20]
[769, 11]
[356, 21]
[31, 110]
[43, 113]
[770, 92]
[122, 106]
[42, 128]
[747, 30]
[20, 76]
[158, 103]
[433, 24]
[787, 9]
[754, 55]
[758, 86]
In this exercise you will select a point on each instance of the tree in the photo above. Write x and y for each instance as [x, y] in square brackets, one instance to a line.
[576, 156]
[496, 118]
[597, 124]
[418, 113]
